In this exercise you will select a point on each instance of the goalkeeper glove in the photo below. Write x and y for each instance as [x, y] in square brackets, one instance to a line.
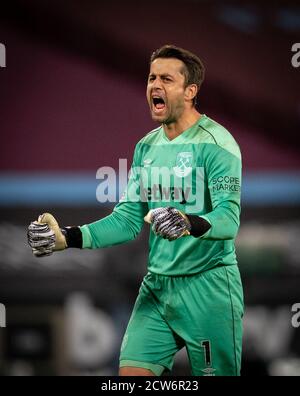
[45, 236]
[170, 223]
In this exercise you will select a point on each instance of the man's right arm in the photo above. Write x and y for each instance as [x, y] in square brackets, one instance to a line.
[126, 220]
[122, 225]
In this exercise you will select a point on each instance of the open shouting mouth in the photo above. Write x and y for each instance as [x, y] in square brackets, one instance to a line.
[159, 104]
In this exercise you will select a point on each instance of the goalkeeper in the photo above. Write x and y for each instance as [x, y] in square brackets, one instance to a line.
[192, 294]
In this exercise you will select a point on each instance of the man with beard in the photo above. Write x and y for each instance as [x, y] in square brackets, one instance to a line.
[192, 294]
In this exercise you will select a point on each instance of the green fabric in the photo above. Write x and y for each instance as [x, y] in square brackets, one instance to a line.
[155, 368]
[86, 237]
[211, 189]
[202, 312]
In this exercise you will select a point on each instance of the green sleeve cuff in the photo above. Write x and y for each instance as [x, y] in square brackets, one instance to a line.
[86, 237]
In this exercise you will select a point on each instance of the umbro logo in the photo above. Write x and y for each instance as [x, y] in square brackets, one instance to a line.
[209, 371]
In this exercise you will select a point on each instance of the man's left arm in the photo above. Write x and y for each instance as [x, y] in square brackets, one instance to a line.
[223, 175]
[224, 182]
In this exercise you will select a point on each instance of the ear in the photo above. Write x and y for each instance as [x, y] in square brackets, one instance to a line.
[190, 92]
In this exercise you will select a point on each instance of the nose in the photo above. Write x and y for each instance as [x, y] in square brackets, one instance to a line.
[156, 83]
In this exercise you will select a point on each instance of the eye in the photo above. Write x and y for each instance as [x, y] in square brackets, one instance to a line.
[151, 78]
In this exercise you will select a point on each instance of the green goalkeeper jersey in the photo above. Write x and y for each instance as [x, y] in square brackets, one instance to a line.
[199, 173]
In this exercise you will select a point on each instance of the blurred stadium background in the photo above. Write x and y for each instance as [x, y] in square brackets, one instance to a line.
[72, 99]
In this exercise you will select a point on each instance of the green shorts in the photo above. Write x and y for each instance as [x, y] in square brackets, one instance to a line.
[201, 312]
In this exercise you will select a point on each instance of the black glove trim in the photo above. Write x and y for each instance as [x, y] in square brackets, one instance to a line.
[73, 237]
[199, 226]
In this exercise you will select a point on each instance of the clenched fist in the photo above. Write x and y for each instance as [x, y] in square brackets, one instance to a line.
[45, 236]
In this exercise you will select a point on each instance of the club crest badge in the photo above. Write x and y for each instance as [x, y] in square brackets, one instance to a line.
[184, 163]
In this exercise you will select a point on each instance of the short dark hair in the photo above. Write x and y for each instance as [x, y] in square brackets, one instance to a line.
[194, 70]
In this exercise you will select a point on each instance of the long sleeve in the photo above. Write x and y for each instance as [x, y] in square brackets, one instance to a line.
[223, 170]
[126, 220]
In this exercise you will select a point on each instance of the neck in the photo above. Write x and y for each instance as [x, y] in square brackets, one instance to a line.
[176, 128]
